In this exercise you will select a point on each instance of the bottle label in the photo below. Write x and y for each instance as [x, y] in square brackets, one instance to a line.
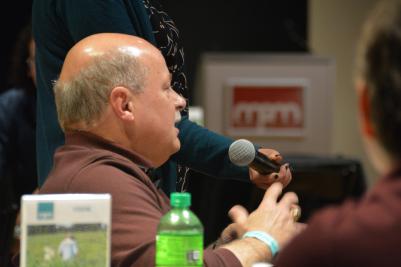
[179, 250]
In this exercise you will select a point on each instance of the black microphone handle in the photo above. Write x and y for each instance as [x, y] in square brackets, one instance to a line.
[263, 164]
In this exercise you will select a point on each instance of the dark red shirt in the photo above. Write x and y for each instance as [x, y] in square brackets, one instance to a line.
[358, 233]
[89, 164]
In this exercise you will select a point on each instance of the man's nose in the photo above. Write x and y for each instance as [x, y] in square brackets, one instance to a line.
[180, 102]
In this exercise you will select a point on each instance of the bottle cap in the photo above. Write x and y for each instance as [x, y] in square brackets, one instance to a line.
[180, 200]
[262, 264]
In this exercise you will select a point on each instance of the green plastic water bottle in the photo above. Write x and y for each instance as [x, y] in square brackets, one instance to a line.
[179, 240]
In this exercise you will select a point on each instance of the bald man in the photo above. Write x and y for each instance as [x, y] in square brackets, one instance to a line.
[58, 25]
[118, 111]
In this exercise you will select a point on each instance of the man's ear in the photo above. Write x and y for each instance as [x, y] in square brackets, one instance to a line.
[121, 103]
[364, 106]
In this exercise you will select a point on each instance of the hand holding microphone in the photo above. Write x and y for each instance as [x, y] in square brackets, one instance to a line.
[264, 165]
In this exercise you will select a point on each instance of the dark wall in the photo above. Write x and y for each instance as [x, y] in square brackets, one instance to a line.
[14, 15]
[253, 25]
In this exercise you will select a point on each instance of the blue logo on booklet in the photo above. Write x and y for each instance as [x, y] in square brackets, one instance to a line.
[45, 210]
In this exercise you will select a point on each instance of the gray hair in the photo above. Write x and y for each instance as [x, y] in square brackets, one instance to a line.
[84, 98]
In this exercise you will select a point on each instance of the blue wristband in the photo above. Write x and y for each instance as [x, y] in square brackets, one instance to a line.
[265, 238]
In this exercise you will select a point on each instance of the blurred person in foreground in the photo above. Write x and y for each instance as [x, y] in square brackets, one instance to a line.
[366, 232]
[118, 111]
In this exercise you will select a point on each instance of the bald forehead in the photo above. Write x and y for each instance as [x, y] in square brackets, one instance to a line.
[99, 45]
[106, 41]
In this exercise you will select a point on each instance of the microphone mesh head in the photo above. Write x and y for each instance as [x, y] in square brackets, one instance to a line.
[241, 152]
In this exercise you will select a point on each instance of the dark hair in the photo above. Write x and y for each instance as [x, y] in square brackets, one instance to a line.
[379, 65]
[18, 72]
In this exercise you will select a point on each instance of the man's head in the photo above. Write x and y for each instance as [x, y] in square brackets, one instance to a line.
[118, 87]
[379, 84]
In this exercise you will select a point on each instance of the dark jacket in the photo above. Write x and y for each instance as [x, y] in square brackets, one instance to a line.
[17, 143]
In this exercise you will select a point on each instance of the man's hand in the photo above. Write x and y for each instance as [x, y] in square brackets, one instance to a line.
[264, 181]
[272, 216]
[239, 215]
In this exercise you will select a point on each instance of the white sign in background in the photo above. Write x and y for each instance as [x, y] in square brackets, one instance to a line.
[218, 69]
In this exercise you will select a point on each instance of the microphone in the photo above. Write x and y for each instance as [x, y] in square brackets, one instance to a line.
[243, 153]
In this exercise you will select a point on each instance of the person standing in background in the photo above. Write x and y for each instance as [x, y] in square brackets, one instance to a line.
[58, 25]
[17, 134]
[17, 119]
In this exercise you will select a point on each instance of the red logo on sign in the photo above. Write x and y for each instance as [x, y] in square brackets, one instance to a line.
[273, 107]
